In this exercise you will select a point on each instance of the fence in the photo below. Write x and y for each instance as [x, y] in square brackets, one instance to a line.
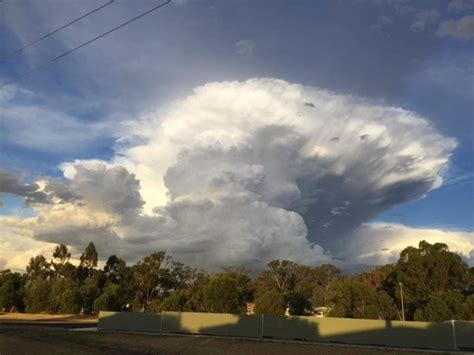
[442, 336]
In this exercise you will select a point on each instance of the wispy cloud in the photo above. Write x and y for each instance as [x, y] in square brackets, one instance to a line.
[425, 19]
[461, 5]
[462, 28]
[28, 121]
[245, 47]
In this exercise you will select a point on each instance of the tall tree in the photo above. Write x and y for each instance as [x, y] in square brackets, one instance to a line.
[115, 269]
[89, 258]
[425, 271]
[61, 254]
[151, 277]
[38, 267]
[62, 266]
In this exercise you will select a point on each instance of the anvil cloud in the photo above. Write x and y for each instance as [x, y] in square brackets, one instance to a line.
[239, 173]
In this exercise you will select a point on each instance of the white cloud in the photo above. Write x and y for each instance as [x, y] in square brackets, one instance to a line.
[239, 173]
[17, 244]
[381, 243]
[462, 28]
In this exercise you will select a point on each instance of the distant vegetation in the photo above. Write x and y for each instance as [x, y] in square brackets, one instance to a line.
[437, 286]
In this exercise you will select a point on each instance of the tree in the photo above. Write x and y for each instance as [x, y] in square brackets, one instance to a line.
[311, 283]
[350, 297]
[61, 254]
[112, 299]
[469, 308]
[61, 264]
[228, 292]
[425, 271]
[115, 269]
[89, 292]
[151, 277]
[299, 304]
[11, 291]
[444, 306]
[270, 302]
[64, 297]
[89, 258]
[283, 273]
[38, 267]
[37, 296]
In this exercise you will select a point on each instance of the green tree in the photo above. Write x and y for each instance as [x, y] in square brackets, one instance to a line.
[37, 296]
[11, 291]
[38, 267]
[112, 299]
[62, 266]
[64, 297]
[444, 306]
[61, 254]
[228, 292]
[350, 297]
[89, 258]
[89, 292]
[188, 293]
[270, 302]
[312, 283]
[299, 304]
[426, 271]
[115, 269]
[151, 276]
[469, 308]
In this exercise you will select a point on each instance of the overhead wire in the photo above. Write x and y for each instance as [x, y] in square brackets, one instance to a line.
[19, 50]
[86, 43]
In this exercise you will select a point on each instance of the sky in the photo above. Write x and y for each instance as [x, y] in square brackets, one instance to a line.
[231, 133]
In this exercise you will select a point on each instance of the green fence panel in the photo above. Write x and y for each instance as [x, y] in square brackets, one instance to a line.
[129, 321]
[212, 324]
[464, 334]
[341, 330]
[361, 331]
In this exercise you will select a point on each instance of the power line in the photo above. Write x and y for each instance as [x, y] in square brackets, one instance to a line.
[19, 50]
[86, 43]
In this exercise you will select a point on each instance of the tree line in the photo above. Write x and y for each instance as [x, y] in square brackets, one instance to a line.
[437, 285]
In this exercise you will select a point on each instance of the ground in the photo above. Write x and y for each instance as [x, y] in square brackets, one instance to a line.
[18, 340]
[46, 335]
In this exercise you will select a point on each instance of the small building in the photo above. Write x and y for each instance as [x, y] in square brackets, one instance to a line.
[320, 311]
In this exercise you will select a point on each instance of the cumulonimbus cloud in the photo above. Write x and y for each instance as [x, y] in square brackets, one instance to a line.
[239, 173]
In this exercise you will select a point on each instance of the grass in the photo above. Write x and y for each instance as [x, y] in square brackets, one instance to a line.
[16, 339]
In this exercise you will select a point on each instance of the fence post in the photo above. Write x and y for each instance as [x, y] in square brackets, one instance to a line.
[454, 334]
[161, 322]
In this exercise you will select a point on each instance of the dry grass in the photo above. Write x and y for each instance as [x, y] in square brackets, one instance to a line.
[29, 317]
[42, 340]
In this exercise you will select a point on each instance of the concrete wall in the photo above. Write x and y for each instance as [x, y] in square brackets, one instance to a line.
[351, 331]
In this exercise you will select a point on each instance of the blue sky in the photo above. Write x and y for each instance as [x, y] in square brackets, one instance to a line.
[411, 55]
